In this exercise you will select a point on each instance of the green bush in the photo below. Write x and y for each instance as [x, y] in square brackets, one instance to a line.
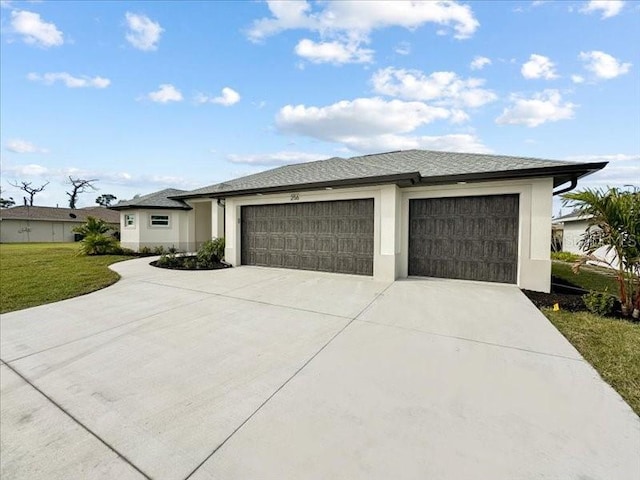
[169, 260]
[211, 253]
[600, 303]
[158, 250]
[98, 244]
[565, 256]
[145, 251]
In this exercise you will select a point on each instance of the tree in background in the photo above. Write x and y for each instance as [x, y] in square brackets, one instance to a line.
[106, 200]
[78, 186]
[29, 190]
[614, 223]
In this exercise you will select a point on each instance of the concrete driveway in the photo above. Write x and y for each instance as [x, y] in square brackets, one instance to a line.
[256, 373]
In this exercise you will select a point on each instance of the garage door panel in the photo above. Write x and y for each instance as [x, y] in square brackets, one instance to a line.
[474, 238]
[335, 236]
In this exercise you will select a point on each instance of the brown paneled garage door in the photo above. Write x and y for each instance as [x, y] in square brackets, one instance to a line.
[325, 236]
[472, 238]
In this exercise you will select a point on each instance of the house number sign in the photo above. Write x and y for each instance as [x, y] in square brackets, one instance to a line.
[295, 196]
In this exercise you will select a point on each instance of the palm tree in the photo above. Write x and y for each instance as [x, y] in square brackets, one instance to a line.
[614, 222]
[94, 226]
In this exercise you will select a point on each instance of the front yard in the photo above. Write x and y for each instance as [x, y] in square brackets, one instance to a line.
[612, 346]
[38, 273]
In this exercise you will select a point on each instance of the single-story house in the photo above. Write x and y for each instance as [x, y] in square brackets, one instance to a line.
[388, 215]
[49, 224]
[573, 227]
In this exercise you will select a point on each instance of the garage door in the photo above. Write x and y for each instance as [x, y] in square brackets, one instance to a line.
[472, 238]
[325, 236]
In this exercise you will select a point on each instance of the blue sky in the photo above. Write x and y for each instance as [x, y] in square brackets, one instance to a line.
[148, 95]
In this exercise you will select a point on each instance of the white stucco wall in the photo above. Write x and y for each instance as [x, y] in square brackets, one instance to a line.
[391, 222]
[19, 231]
[143, 234]
[572, 235]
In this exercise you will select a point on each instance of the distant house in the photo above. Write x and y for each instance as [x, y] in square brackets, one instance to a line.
[49, 224]
[573, 227]
[388, 215]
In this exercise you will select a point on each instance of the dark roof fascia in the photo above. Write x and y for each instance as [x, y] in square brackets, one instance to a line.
[560, 174]
[148, 207]
[400, 179]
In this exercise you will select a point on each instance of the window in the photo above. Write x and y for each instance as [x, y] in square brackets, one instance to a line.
[159, 220]
[129, 220]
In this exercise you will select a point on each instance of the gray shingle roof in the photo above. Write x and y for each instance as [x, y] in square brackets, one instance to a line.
[427, 164]
[59, 214]
[159, 199]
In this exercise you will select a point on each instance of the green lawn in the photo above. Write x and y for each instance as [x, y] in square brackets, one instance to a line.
[589, 277]
[611, 346]
[38, 273]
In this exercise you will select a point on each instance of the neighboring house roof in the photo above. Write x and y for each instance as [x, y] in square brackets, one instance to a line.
[571, 217]
[78, 215]
[156, 200]
[403, 168]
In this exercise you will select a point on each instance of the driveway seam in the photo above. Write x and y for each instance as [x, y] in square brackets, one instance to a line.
[148, 317]
[482, 342]
[245, 421]
[87, 429]
[260, 302]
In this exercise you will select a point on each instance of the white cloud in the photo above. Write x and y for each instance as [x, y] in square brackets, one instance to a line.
[165, 93]
[623, 170]
[22, 146]
[546, 106]
[362, 116]
[374, 124]
[479, 62]
[446, 88]
[69, 80]
[34, 30]
[228, 97]
[143, 33]
[403, 48]
[608, 8]
[356, 19]
[603, 65]
[278, 158]
[539, 66]
[333, 52]
[577, 78]
[611, 157]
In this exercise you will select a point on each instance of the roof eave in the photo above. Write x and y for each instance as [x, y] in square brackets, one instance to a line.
[147, 207]
[561, 174]
[401, 179]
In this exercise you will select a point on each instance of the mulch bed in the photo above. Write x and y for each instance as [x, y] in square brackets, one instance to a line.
[189, 258]
[567, 295]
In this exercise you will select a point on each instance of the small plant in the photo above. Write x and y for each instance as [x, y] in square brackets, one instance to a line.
[210, 253]
[169, 260]
[98, 244]
[145, 251]
[600, 303]
[565, 256]
[158, 250]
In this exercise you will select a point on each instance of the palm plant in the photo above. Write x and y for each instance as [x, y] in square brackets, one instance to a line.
[614, 223]
[93, 226]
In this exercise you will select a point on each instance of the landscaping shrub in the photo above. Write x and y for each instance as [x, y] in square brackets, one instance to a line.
[169, 260]
[565, 256]
[145, 251]
[158, 250]
[98, 244]
[600, 303]
[211, 253]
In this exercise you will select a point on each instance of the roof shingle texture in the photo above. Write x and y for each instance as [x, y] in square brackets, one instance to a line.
[427, 163]
[59, 214]
[157, 200]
